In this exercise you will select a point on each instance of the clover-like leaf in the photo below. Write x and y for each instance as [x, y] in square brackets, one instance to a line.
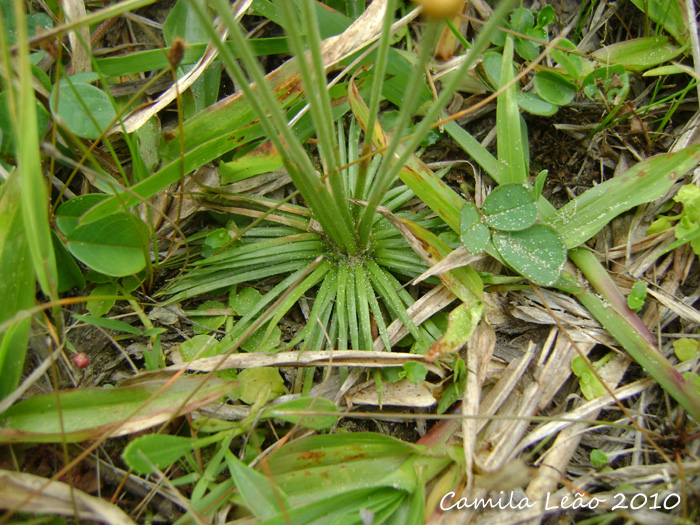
[510, 207]
[537, 253]
[473, 234]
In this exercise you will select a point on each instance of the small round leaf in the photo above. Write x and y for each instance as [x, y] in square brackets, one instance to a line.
[537, 253]
[510, 207]
[554, 87]
[112, 246]
[84, 109]
[473, 234]
[532, 103]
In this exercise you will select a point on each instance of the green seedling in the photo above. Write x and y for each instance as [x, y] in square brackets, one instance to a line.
[591, 387]
[687, 223]
[686, 348]
[599, 459]
[637, 296]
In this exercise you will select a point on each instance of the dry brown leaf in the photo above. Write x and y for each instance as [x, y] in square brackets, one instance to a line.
[54, 498]
[79, 39]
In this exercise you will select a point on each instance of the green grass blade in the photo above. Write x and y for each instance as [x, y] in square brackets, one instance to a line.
[362, 303]
[624, 326]
[586, 215]
[17, 286]
[34, 198]
[511, 154]
[316, 92]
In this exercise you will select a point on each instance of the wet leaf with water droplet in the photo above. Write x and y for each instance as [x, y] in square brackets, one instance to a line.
[537, 253]
[510, 207]
[473, 234]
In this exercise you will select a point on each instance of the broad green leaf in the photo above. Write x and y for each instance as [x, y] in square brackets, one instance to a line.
[532, 103]
[204, 324]
[591, 388]
[461, 323]
[636, 298]
[8, 136]
[685, 348]
[546, 16]
[668, 14]
[112, 246]
[510, 207]
[586, 215]
[511, 152]
[17, 285]
[569, 61]
[537, 253]
[156, 450]
[554, 88]
[689, 196]
[88, 413]
[415, 371]
[69, 275]
[263, 159]
[305, 404]
[101, 307]
[199, 346]
[639, 53]
[35, 21]
[69, 212]
[259, 494]
[473, 234]
[254, 379]
[522, 19]
[84, 109]
[599, 458]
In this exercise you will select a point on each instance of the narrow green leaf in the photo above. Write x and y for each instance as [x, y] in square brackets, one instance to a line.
[111, 324]
[34, 197]
[88, 413]
[305, 404]
[511, 153]
[156, 450]
[262, 497]
[586, 215]
[639, 53]
[537, 253]
[668, 14]
[569, 61]
[17, 285]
